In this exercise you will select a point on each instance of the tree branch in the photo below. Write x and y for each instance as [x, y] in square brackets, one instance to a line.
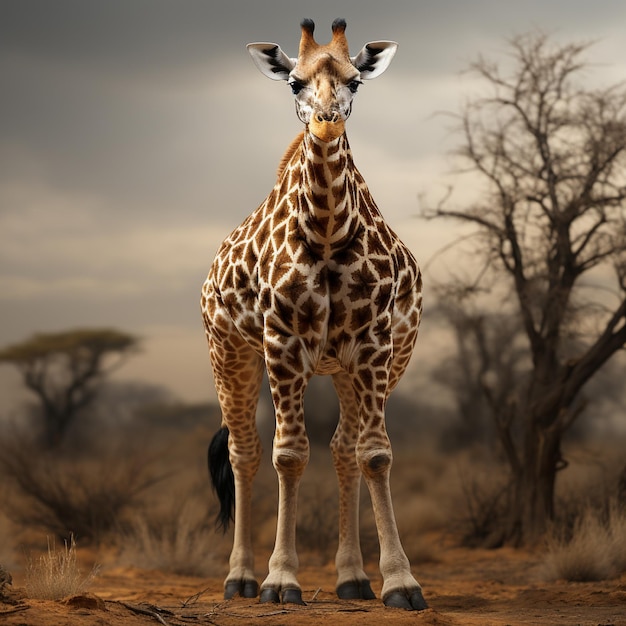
[612, 339]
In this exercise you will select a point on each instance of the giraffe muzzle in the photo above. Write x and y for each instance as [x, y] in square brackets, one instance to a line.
[327, 126]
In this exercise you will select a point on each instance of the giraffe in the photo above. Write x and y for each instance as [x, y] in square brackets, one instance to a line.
[313, 282]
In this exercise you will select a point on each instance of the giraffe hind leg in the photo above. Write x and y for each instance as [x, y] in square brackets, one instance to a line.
[223, 481]
[235, 451]
[352, 581]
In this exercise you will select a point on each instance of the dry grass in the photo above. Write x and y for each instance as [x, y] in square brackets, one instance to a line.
[595, 551]
[181, 541]
[56, 574]
[617, 530]
[417, 517]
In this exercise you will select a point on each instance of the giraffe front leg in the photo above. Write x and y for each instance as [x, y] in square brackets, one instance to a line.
[400, 589]
[374, 457]
[290, 456]
[281, 583]
[352, 581]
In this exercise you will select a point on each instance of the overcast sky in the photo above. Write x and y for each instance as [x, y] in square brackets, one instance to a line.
[134, 135]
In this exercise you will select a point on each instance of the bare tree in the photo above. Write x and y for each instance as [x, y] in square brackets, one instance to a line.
[551, 223]
[64, 370]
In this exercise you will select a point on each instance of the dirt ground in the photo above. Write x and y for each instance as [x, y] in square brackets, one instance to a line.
[463, 587]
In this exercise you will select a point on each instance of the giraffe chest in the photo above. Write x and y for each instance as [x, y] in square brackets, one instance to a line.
[323, 303]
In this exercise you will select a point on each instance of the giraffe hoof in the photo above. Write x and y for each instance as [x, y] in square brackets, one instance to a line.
[243, 588]
[250, 589]
[413, 602]
[293, 596]
[270, 595]
[290, 596]
[355, 590]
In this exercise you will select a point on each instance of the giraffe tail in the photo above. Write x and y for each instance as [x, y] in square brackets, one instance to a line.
[222, 478]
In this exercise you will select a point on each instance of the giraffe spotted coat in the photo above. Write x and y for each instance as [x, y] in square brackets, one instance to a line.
[315, 282]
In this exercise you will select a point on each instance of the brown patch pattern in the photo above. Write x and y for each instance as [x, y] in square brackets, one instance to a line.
[312, 282]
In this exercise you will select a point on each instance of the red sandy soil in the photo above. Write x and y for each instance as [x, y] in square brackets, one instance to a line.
[464, 587]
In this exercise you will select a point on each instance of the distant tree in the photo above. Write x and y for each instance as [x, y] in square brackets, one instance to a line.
[483, 373]
[550, 225]
[64, 370]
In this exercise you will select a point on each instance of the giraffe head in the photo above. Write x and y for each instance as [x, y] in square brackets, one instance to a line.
[324, 78]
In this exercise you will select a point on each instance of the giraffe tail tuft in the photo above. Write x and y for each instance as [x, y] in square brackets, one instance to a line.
[222, 478]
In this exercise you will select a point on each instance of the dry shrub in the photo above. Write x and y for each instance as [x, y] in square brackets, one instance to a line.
[181, 541]
[481, 518]
[596, 549]
[56, 574]
[85, 497]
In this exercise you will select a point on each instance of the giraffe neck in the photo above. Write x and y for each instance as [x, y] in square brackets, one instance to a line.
[327, 207]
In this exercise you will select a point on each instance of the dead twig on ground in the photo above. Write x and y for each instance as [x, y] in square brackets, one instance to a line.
[151, 611]
[16, 609]
[194, 598]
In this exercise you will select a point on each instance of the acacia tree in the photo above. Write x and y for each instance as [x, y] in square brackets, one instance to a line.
[64, 370]
[551, 223]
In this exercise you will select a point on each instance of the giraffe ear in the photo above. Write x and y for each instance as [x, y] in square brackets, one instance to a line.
[271, 60]
[374, 58]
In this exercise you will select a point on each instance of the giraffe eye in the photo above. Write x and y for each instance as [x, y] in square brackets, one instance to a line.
[353, 85]
[296, 87]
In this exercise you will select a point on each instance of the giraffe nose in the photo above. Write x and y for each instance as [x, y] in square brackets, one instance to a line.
[331, 116]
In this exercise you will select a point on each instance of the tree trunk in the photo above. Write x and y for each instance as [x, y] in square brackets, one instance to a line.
[532, 506]
[55, 428]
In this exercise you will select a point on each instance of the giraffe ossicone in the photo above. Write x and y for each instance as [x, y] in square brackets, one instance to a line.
[313, 282]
